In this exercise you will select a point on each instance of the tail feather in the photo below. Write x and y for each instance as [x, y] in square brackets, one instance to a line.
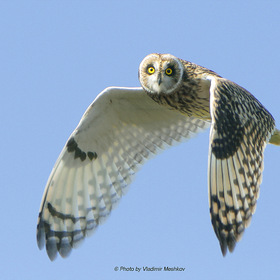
[275, 138]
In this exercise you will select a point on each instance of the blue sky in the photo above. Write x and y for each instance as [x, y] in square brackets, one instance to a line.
[55, 57]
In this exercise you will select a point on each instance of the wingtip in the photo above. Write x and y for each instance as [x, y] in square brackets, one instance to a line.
[40, 236]
[51, 248]
[231, 242]
[223, 246]
[65, 248]
[228, 244]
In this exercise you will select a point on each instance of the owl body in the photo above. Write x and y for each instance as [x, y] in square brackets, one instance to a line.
[125, 127]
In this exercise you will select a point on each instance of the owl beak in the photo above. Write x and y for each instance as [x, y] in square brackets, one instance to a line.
[159, 79]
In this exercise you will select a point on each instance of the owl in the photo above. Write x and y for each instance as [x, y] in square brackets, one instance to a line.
[124, 127]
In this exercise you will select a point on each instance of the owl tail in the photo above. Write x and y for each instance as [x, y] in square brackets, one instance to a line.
[275, 138]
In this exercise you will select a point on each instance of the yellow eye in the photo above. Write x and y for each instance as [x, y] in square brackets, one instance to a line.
[151, 70]
[168, 71]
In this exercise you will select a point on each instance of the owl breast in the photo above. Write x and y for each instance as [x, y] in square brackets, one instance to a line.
[191, 99]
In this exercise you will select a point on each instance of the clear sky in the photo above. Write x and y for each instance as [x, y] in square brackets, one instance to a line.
[55, 57]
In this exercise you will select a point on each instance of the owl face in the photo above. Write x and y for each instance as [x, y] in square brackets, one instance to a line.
[160, 73]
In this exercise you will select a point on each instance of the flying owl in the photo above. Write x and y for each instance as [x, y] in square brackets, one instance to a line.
[124, 127]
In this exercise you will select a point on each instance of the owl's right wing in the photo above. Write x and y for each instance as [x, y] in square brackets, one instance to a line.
[120, 130]
[241, 128]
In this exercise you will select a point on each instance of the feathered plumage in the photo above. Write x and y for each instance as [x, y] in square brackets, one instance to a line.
[124, 127]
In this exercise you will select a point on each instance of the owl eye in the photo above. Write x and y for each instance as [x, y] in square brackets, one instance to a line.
[168, 71]
[151, 70]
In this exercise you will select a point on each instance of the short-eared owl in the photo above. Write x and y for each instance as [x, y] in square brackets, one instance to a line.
[124, 127]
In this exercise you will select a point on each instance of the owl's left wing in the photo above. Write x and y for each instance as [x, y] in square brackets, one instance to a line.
[118, 133]
[240, 129]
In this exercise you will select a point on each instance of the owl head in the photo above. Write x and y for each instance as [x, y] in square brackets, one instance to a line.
[160, 73]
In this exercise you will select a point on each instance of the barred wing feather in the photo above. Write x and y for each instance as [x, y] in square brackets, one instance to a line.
[240, 130]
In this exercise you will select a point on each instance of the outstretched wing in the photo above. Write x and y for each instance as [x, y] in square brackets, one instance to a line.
[120, 130]
[240, 129]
